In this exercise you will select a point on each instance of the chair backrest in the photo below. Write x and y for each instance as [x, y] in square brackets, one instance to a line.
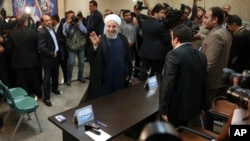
[6, 93]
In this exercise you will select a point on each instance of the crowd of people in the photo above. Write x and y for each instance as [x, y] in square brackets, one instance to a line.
[188, 61]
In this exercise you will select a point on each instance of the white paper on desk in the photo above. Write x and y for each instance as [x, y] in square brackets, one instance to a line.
[102, 137]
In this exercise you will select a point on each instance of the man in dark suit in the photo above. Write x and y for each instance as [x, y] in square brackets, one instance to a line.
[184, 86]
[22, 42]
[239, 59]
[95, 23]
[49, 49]
[155, 43]
[58, 27]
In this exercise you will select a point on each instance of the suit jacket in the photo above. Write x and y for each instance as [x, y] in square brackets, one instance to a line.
[61, 41]
[217, 46]
[156, 40]
[22, 42]
[184, 86]
[95, 23]
[239, 59]
[46, 48]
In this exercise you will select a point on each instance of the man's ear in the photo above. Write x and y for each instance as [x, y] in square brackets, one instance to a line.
[215, 19]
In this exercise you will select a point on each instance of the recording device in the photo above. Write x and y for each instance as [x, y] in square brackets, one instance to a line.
[74, 20]
[92, 127]
[245, 80]
[173, 16]
[89, 126]
[140, 6]
[239, 96]
[231, 77]
[195, 30]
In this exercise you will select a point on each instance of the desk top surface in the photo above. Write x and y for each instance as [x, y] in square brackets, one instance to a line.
[119, 111]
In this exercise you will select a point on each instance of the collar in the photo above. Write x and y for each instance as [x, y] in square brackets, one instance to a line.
[239, 30]
[182, 44]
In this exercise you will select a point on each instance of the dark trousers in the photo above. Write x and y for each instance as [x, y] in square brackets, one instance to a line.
[177, 123]
[29, 79]
[63, 64]
[136, 57]
[50, 72]
[155, 67]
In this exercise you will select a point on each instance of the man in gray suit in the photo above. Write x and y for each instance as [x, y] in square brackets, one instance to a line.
[216, 46]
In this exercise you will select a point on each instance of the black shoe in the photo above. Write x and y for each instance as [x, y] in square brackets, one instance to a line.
[57, 92]
[82, 80]
[47, 102]
[68, 83]
[87, 77]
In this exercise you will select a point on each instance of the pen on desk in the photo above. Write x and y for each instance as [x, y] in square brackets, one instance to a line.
[99, 122]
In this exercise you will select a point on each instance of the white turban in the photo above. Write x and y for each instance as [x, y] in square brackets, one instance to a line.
[113, 17]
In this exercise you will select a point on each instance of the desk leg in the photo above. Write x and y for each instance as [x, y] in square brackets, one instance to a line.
[68, 137]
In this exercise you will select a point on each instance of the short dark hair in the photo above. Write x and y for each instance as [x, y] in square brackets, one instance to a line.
[188, 8]
[56, 17]
[202, 9]
[125, 11]
[157, 8]
[219, 13]
[21, 19]
[93, 2]
[234, 19]
[183, 33]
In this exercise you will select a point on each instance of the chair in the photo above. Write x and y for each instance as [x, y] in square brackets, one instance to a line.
[22, 105]
[196, 134]
[221, 109]
[15, 92]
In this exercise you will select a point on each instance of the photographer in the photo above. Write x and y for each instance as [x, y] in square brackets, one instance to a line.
[75, 33]
[239, 116]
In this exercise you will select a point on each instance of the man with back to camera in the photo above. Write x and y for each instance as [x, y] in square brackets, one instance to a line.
[155, 43]
[181, 98]
[216, 46]
[22, 43]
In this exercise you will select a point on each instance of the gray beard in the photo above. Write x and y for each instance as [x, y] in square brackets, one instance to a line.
[112, 35]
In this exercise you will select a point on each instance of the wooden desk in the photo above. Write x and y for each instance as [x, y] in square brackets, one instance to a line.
[119, 110]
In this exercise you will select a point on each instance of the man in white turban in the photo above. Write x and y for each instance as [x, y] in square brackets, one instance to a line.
[110, 61]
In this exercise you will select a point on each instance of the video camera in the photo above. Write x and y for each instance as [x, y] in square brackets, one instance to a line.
[140, 5]
[195, 30]
[173, 16]
[231, 77]
[74, 20]
[239, 96]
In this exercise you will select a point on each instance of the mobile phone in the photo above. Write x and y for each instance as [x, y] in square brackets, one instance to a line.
[60, 118]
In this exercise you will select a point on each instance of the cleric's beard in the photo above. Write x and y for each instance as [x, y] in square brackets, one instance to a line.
[112, 34]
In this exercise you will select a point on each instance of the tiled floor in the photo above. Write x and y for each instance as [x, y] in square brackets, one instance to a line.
[29, 130]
